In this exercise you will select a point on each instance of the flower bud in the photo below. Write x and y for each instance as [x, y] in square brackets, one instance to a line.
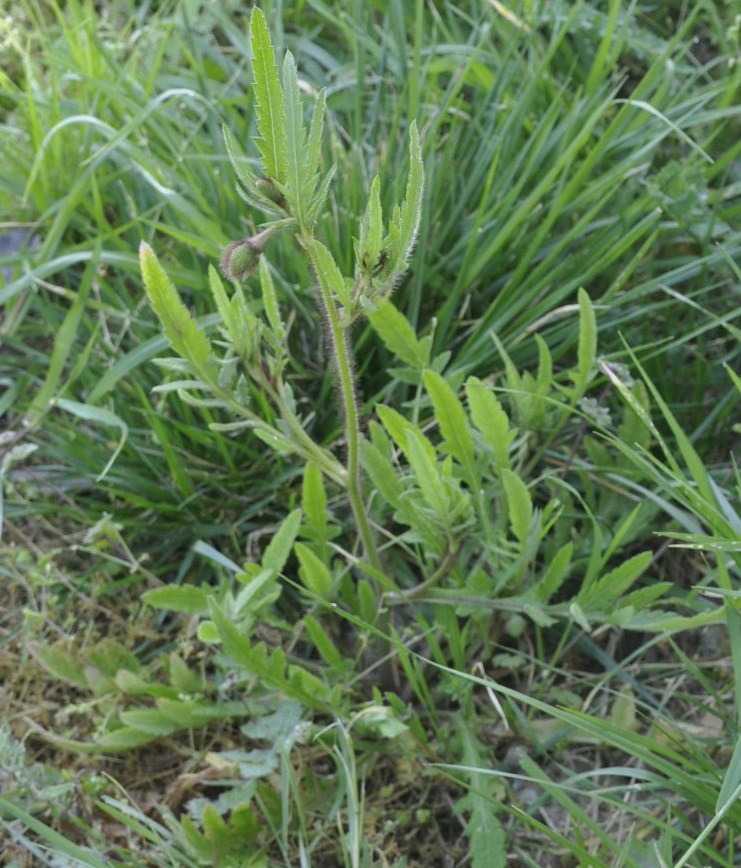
[240, 258]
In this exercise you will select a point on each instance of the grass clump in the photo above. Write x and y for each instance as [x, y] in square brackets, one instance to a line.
[422, 546]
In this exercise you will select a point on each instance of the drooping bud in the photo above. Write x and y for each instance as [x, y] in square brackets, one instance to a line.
[241, 257]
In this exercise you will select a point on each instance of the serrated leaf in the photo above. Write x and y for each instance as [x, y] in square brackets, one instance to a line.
[374, 221]
[314, 503]
[313, 149]
[295, 144]
[556, 571]
[426, 472]
[245, 175]
[406, 219]
[605, 591]
[329, 273]
[180, 329]
[491, 420]
[397, 426]
[255, 661]
[397, 333]
[269, 96]
[320, 196]
[279, 548]
[382, 473]
[314, 573]
[453, 423]
[177, 598]
[520, 506]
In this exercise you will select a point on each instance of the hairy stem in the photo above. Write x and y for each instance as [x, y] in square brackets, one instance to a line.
[346, 381]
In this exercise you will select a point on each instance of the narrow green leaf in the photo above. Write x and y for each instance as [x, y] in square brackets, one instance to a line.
[270, 301]
[125, 738]
[587, 351]
[453, 423]
[275, 440]
[61, 844]
[148, 720]
[313, 150]
[371, 230]
[427, 472]
[520, 506]
[322, 641]
[180, 329]
[63, 343]
[60, 663]
[279, 548]
[484, 831]
[397, 426]
[732, 777]
[329, 273]
[314, 503]
[320, 196]
[514, 381]
[491, 420]
[178, 598]
[396, 332]
[269, 96]
[257, 587]
[314, 573]
[222, 301]
[544, 379]
[382, 473]
[244, 174]
[295, 139]
[99, 416]
[405, 223]
[556, 571]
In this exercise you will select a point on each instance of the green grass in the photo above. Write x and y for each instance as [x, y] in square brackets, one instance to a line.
[543, 662]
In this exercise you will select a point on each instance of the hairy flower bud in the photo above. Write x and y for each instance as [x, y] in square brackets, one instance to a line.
[241, 257]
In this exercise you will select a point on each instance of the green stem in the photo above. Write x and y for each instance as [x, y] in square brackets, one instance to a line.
[346, 379]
